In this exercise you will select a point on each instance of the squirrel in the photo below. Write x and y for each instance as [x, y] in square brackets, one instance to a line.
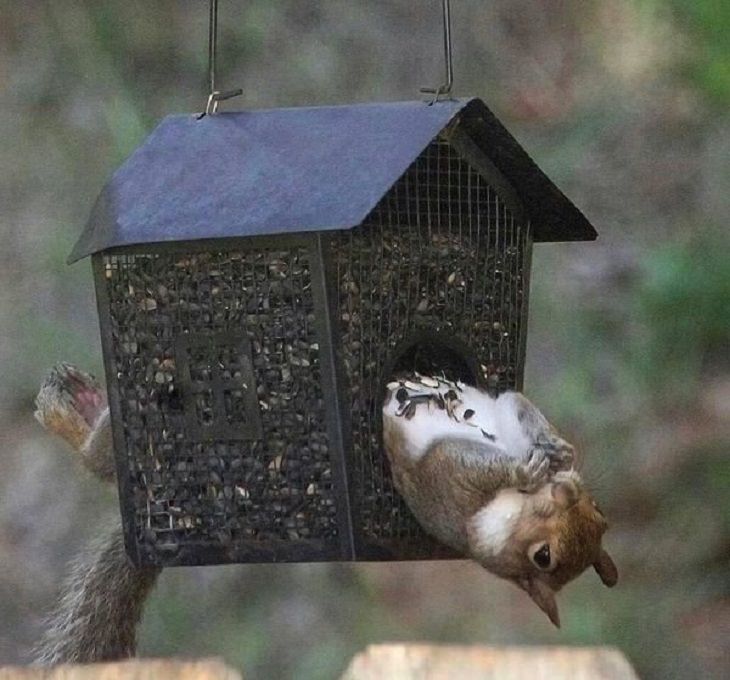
[491, 478]
[487, 476]
[101, 603]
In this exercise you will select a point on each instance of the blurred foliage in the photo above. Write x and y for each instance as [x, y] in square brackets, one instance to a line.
[707, 59]
[684, 302]
[624, 106]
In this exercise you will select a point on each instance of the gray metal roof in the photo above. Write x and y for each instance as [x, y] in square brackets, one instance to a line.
[300, 169]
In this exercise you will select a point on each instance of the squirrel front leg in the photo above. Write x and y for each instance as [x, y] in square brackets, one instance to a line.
[485, 467]
[102, 600]
[457, 477]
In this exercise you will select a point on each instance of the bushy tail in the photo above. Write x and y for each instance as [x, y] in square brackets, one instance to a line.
[96, 618]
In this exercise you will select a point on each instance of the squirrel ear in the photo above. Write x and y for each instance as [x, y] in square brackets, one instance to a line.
[543, 596]
[565, 493]
[606, 569]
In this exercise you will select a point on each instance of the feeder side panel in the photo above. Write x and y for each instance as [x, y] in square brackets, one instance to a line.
[526, 273]
[436, 278]
[222, 447]
[125, 490]
[325, 298]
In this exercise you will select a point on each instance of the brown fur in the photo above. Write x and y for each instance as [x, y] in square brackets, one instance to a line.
[72, 405]
[570, 524]
[563, 514]
[455, 479]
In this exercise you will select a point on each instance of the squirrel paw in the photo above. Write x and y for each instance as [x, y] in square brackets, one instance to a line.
[561, 459]
[559, 452]
[534, 472]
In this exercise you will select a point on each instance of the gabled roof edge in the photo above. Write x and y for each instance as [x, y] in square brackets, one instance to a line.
[553, 215]
[104, 230]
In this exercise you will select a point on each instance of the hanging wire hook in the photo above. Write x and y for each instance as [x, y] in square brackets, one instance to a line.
[215, 95]
[445, 88]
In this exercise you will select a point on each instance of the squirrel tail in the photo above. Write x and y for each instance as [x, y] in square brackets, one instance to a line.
[97, 616]
[102, 600]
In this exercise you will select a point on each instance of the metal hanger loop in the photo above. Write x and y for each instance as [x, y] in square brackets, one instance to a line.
[444, 90]
[215, 96]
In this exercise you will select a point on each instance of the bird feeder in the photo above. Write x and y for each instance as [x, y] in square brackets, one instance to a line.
[261, 275]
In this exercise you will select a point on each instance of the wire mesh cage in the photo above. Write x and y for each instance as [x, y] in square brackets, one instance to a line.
[224, 429]
[246, 373]
[434, 281]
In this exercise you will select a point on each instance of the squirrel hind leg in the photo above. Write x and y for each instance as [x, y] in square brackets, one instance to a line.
[69, 403]
[73, 405]
[89, 397]
[67, 386]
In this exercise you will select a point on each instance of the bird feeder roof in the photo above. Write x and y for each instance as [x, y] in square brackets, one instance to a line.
[253, 173]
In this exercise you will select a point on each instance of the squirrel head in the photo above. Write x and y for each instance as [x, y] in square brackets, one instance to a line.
[542, 540]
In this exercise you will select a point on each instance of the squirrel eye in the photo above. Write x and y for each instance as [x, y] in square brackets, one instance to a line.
[541, 557]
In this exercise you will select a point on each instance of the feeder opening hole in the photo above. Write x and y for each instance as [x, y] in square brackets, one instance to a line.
[439, 355]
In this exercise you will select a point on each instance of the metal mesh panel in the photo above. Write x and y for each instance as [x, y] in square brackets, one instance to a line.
[441, 254]
[218, 376]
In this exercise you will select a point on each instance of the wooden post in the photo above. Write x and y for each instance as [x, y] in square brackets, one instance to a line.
[148, 669]
[434, 662]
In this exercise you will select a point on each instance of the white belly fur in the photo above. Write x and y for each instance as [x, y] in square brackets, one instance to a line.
[495, 416]
[493, 526]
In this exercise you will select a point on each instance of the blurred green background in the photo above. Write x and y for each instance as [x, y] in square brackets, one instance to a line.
[624, 104]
